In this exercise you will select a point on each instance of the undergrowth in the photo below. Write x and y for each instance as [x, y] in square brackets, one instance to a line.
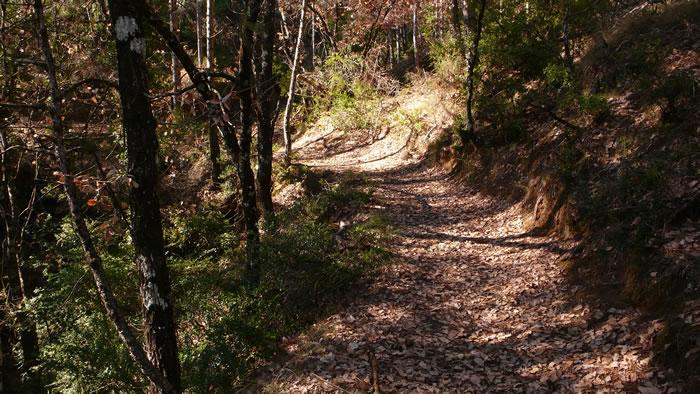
[225, 329]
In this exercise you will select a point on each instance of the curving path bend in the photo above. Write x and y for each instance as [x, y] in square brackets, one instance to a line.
[472, 303]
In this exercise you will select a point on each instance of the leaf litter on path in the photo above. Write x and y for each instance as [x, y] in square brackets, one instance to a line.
[473, 303]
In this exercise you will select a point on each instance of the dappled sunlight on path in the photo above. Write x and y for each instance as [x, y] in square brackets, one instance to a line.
[472, 303]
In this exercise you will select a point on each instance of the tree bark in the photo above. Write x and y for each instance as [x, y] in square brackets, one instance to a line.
[292, 85]
[146, 227]
[9, 368]
[174, 72]
[207, 35]
[93, 258]
[245, 172]
[568, 57]
[313, 40]
[268, 95]
[415, 35]
[214, 149]
[14, 291]
[468, 134]
[198, 24]
[240, 153]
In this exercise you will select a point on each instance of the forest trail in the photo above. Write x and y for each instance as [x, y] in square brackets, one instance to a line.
[471, 303]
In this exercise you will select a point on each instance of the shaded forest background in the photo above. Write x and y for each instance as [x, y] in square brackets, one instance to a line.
[150, 182]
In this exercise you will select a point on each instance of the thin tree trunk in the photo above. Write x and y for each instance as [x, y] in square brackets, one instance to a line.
[465, 17]
[11, 375]
[292, 85]
[436, 16]
[207, 37]
[268, 94]
[175, 73]
[285, 29]
[239, 153]
[200, 80]
[12, 295]
[118, 211]
[459, 32]
[94, 261]
[415, 35]
[390, 48]
[214, 154]
[198, 18]
[398, 45]
[214, 149]
[568, 58]
[468, 134]
[313, 40]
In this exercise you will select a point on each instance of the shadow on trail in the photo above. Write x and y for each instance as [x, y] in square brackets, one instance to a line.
[473, 302]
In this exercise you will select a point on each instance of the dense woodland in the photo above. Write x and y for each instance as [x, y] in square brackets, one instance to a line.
[239, 195]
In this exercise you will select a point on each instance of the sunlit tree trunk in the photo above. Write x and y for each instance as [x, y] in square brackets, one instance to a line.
[207, 35]
[292, 85]
[390, 48]
[214, 149]
[415, 34]
[198, 25]
[142, 171]
[313, 40]
[398, 45]
[174, 72]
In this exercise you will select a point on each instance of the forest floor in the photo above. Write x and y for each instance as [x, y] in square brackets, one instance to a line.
[471, 302]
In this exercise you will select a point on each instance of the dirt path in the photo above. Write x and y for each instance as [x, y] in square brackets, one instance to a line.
[472, 304]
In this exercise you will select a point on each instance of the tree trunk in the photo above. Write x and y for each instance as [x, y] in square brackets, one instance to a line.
[94, 261]
[268, 94]
[198, 24]
[10, 377]
[9, 368]
[460, 34]
[398, 46]
[245, 172]
[292, 85]
[468, 134]
[214, 154]
[146, 228]
[415, 35]
[174, 72]
[200, 80]
[568, 57]
[207, 35]
[214, 149]
[14, 325]
[313, 40]
[390, 48]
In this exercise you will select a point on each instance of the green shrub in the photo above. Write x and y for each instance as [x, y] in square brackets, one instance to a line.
[201, 233]
[81, 350]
